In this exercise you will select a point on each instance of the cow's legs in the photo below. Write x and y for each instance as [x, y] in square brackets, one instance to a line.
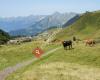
[69, 46]
[65, 48]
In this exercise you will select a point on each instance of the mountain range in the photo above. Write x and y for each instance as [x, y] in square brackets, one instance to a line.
[86, 27]
[32, 25]
[16, 23]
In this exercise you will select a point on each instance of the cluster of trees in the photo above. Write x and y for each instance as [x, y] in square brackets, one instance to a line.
[4, 37]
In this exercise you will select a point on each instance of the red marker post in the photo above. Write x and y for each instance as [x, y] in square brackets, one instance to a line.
[38, 52]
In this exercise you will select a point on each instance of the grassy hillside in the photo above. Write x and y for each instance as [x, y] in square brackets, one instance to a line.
[13, 54]
[80, 63]
[87, 26]
[77, 64]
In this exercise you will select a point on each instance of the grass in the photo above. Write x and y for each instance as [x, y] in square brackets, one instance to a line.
[13, 54]
[61, 71]
[77, 64]
[80, 63]
[87, 26]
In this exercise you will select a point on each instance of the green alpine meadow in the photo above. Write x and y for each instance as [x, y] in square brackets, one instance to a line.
[49, 40]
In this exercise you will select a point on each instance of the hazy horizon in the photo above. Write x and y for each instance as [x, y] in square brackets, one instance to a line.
[16, 8]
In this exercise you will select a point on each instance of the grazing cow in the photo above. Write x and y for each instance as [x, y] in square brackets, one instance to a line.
[89, 42]
[74, 38]
[67, 44]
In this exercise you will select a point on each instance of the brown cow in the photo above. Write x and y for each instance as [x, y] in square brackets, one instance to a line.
[89, 42]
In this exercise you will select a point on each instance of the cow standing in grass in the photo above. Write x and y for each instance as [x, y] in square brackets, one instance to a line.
[67, 44]
[89, 42]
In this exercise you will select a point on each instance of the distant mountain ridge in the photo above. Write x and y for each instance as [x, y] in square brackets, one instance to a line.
[16, 23]
[56, 19]
[71, 21]
[86, 27]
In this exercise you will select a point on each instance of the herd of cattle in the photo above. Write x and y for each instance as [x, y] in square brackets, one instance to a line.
[88, 42]
[66, 44]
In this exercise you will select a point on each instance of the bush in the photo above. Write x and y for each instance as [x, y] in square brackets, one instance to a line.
[4, 37]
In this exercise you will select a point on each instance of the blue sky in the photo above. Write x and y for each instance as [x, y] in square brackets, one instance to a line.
[9, 8]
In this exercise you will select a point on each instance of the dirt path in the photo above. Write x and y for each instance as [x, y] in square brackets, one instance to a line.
[9, 70]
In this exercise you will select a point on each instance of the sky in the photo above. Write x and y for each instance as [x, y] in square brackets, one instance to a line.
[14, 8]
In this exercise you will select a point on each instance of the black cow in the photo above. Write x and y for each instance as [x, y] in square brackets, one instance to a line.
[67, 44]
